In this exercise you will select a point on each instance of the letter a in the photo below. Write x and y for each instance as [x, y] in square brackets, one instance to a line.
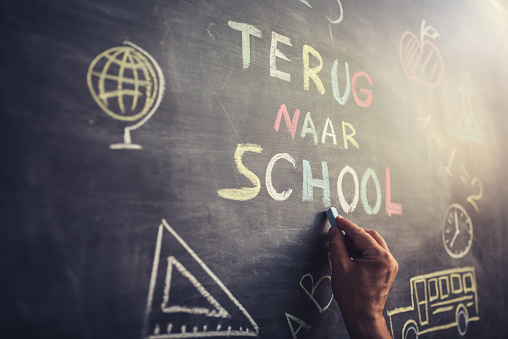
[332, 133]
[308, 127]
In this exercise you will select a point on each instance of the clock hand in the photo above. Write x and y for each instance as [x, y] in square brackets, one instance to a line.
[457, 230]
[454, 237]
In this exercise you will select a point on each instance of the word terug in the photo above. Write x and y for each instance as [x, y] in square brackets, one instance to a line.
[309, 73]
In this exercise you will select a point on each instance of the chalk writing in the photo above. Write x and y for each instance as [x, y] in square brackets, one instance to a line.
[450, 294]
[169, 308]
[311, 181]
[448, 167]
[247, 30]
[216, 309]
[313, 288]
[368, 100]
[457, 231]
[336, 21]
[391, 207]
[276, 53]
[335, 83]
[474, 197]
[349, 137]
[308, 127]
[466, 179]
[328, 124]
[309, 73]
[122, 75]
[301, 324]
[370, 174]
[291, 124]
[243, 193]
[426, 120]
[268, 180]
[347, 208]
[420, 58]
[341, 16]
[467, 128]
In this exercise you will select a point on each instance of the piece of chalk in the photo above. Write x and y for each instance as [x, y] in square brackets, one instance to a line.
[332, 213]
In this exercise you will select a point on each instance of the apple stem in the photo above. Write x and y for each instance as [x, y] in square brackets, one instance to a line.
[429, 31]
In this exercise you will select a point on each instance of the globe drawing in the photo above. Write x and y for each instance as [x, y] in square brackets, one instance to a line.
[127, 84]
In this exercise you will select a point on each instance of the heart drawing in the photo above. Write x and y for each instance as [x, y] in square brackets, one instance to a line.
[420, 58]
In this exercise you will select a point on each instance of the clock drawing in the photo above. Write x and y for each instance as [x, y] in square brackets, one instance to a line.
[457, 231]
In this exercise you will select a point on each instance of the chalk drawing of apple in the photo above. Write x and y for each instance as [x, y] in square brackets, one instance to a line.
[420, 58]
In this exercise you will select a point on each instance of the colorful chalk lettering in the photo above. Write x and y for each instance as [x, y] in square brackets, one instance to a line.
[291, 124]
[247, 30]
[309, 73]
[243, 193]
[276, 53]
[309, 182]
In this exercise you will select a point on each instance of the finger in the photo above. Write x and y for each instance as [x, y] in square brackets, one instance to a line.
[358, 235]
[378, 238]
[338, 252]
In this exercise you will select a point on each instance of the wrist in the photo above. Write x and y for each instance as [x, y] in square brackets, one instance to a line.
[368, 328]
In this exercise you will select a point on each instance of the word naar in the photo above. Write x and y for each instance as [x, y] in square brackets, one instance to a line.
[310, 182]
[309, 128]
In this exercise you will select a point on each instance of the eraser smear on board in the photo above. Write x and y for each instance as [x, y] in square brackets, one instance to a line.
[332, 213]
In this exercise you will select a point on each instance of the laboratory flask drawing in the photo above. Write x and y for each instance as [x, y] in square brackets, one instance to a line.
[467, 127]
[127, 84]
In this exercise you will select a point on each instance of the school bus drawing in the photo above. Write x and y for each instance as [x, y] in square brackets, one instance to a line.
[439, 300]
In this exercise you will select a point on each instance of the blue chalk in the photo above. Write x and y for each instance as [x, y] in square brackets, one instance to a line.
[332, 213]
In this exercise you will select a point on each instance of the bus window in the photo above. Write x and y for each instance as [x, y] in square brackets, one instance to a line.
[444, 287]
[456, 284]
[433, 292]
[421, 300]
[468, 282]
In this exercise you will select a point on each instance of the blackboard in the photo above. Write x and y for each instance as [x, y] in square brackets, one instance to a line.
[167, 164]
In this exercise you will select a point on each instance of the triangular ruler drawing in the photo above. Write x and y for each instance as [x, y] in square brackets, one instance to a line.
[214, 309]
[186, 299]
[467, 128]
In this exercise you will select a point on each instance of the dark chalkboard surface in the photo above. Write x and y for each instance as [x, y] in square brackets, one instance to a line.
[166, 165]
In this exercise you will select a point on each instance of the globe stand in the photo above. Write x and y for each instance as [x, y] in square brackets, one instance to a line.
[127, 142]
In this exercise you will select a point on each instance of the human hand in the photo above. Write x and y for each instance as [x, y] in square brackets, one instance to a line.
[363, 270]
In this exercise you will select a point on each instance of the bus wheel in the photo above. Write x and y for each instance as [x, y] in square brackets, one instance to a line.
[410, 332]
[462, 321]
